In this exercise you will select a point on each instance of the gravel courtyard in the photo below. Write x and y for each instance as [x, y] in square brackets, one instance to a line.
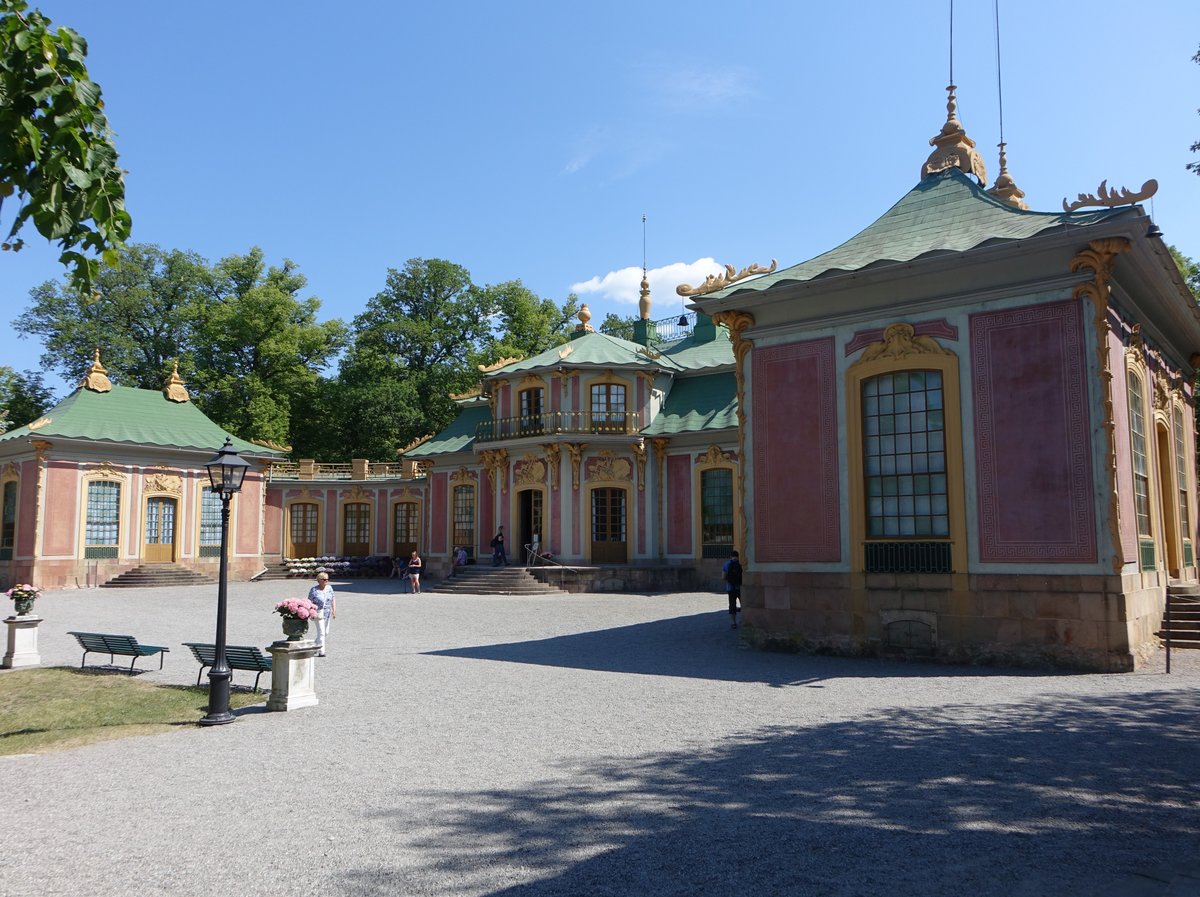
[605, 745]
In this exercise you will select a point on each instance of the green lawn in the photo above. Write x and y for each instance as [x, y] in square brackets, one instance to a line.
[54, 708]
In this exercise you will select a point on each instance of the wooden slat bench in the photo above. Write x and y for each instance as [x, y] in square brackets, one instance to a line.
[125, 645]
[239, 657]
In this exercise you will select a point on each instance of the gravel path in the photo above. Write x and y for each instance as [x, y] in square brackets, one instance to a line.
[606, 745]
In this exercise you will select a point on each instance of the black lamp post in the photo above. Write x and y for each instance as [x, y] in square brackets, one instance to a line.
[225, 473]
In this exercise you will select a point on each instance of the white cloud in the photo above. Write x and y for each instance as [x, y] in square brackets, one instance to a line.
[624, 284]
[691, 86]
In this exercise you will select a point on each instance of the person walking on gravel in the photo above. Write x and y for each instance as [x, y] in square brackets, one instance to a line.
[733, 586]
[322, 596]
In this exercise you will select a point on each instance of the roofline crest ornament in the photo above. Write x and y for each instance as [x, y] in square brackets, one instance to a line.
[496, 365]
[96, 378]
[953, 148]
[714, 282]
[1111, 198]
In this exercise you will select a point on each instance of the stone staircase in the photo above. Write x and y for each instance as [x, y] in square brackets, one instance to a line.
[158, 575]
[484, 579]
[1183, 600]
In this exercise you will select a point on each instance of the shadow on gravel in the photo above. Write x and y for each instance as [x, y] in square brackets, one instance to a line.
[702, 646]
[1076, 797]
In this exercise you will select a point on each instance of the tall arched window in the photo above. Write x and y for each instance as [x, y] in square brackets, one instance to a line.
[8, 521]
[716, 512]
[210, 523]
[463, 530]
[356, 529]
[405, 528]
[1181, 485]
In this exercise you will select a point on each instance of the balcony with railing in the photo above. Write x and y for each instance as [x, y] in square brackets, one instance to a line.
[556, 423]
[358, 469]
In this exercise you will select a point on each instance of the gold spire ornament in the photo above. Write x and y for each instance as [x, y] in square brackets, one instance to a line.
[953, 148]
[644, 298]
[96, 378]
[1005, 189]
[585, 315]
[174, 389]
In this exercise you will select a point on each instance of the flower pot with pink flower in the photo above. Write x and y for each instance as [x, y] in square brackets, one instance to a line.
[23, 597]
[296, 612]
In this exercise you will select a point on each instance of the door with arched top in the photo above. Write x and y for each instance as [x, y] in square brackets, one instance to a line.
[159, 547]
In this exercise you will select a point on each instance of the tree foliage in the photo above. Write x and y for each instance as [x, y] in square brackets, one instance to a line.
[24, 397]
[1195, 166]
[1189, 268]
[56, 149]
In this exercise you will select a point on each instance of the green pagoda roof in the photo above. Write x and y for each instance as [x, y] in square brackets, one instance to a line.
[593, 348]
[945, 212]
[459, 436]
[132, 417]
[691, 355]
[696, 404]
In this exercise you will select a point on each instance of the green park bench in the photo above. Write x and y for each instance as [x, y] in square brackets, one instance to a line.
[238, 657]
[112, 645]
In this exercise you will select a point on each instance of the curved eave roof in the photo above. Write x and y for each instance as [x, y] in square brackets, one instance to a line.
[592, 349]
[690, 355]
[128, 416]
[945, 213]
[696, 405]
[459, 436]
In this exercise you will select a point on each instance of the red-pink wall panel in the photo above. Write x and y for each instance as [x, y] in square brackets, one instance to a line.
[1033, 436]
[61, 522]
[796, 506]
[273, 533]
[679, 504]
[249, 515]
[26, 533]
[438, 512]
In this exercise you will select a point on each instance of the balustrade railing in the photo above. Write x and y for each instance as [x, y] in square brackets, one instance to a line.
[616, 423]
[355, 470]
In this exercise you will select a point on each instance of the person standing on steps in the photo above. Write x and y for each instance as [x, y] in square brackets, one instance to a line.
[498, 555]
[414, 573]
[733, 586]
[322, 596]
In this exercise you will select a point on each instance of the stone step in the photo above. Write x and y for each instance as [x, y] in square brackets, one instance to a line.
[155, 575]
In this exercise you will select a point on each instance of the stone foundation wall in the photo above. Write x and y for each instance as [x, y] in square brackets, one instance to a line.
[73, 573]
[1095, 622]
[623, 579]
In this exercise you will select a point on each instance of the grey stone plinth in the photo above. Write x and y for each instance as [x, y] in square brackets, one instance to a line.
[22, 642]
[293, 675]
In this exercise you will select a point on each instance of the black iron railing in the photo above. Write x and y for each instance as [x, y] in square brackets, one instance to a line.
[556, 422]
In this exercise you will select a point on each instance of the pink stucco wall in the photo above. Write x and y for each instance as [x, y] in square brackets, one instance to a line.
[439, 511]
[1032, 436]
[27, 513]
[249, 516]
[1120, 405]
[794, 423]
[61, 518]
[679, 504]
[273, 522]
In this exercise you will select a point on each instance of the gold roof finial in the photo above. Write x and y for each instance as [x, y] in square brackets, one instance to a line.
[585, 315]
[953, 148]
[1005, 189]
[644, 300]
[96, 378]
[174, 389]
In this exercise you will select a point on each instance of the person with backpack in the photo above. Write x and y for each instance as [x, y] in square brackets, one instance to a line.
[733, 586]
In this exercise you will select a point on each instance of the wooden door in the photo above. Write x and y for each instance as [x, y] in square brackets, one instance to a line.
[160, 531]
[302, 530]
[608, 527]
[356, 529]
[404, 529]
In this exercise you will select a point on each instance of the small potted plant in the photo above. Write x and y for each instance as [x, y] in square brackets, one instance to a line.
[296, 613]
[23, 597]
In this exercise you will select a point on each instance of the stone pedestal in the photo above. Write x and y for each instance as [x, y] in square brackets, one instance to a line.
[22, 642]
[293, 675]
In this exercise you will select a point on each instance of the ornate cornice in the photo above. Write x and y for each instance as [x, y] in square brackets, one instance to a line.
[462, 476]
[730, 275]
[163, 482]
[357, 493]
[901, 341]
[105, 469]
[714, 455]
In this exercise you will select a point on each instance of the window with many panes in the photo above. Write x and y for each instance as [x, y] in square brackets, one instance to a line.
[8, 526]
[356, 528]
[1141, 473]
[210, 523]
[716, 513]
[1181, 478]
[103, 520]
[608, 408]
[904, 454]
[464, 518]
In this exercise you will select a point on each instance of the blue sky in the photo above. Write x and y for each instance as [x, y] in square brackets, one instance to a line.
[526, 140]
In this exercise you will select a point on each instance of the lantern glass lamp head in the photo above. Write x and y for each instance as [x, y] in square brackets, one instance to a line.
[226, 470]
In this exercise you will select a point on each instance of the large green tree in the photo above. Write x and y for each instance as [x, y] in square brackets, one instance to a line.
[56, 148]
[257, 349]
[139, 312]
[1189, 268]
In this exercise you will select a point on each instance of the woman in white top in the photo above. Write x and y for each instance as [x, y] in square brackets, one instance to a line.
[322, 596]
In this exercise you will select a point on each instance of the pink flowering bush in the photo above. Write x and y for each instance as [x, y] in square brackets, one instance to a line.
[297, 609]
[26, 591]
